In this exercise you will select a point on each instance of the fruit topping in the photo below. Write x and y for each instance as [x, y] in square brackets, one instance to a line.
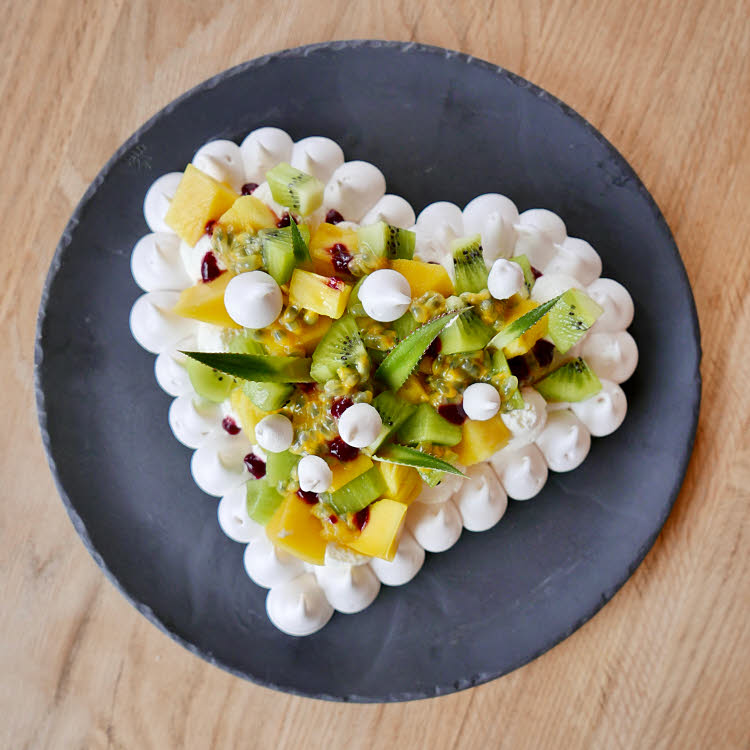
[574, 381]
[290, 187]
[468, 264]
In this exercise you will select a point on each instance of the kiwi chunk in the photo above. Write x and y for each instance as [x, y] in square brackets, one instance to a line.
[385, 241]
[357, 494]
[243, 342]
[341, 347]
[505, 381]
[262, 367]
[263, 500]
[466, 333]
[277, 248]
[209, 383]
[425, 425]
[393, 413]
[405, 325]
[353, 305]
[468, 263]
[279, 467]
[405, 356]
[520, 325]
[528, 274]
[267, 396]
[405, 456]
[570, 318]
[574, 381]
[295, 189]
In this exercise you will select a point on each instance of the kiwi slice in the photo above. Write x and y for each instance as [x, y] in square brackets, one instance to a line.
[425, 425]
[528, 274]
[405, 356]
[357, 494]
[295, 189]
[267, 396]
[468, 263]
[263, 500]
[570, 318]
[405, 325]
[506, 382]
[520, 325]
[466, 333]
[208, 382]
[277, 248]
[243, 342]
[279, 467]
[262, 367]
[354, 306]
[574, 381]
[405, 456]
[340, 347]
[393, 413]
[385, 241]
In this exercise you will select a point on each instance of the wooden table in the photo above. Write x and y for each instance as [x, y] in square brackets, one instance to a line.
[667, 663]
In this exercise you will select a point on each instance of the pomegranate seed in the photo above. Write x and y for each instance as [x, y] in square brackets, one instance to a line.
[210, 268]
[230, 426]
[255, 465]
[341, 450]
[311, 498]
[248, 187]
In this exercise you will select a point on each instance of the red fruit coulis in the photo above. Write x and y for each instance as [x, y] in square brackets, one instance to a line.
[361, 517]
[334, 217]
[339, 405]
[340, 257]
[434, 348]
[210, 268]
[535, 272]
[334, 283]
[543, 352]
[341, 450]
[248, 187]
[255, 465]
[230, 426]
[210, 227]
[311, 498]
[454, 413]
[333, 518]
[283, 221]
[307, 387]
[519, 367]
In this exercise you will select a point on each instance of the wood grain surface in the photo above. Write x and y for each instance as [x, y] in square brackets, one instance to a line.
[666, 664]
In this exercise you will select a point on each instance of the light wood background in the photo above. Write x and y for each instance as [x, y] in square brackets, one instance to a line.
[667, 663]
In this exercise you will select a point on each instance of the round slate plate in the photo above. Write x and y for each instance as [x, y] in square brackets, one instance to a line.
[441, 126]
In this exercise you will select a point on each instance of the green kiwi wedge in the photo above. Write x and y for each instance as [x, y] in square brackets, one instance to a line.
[570, 318]
[574, 381]
[298, 191]
[468, 264]
[340, 347]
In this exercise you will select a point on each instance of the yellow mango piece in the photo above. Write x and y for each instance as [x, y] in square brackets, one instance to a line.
[424, 277]
[403, 483]
[381, 533]
[321, 242]
[198, 200]
[344, 471]
[247, 412]
[205, 302]
[413, 391]
[481, 439]
[248, 214]
[306, 338]
[526, 340]
[324, 295]
[295, 529]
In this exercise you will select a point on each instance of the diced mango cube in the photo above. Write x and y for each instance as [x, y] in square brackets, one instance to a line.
[295, 529]
[324, 295]
[481, 439]
[199, 199]
[526, 340]
[322, 244]
[247, 412]
[413, 391]
[248, 214]
[424, 277]
[380, 535]
[344, 471]
[278, 340]
[205, 302]
[403, 483]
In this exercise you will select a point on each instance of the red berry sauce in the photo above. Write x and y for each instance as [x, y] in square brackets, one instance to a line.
[454, 413]
[230, 426]
[210, 227]
[339, 405]
[210, 268]
[536, 273]
[255, 465]
[361, 517]
[334, 283]
[519, 367]
[248, 187]
[543, 352]
[311, 498]
[340, 257]
[434, 348]
[341, 450]
[283, 221]
[334, 217]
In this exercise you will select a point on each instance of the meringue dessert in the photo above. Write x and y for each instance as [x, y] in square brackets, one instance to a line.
[360, 385]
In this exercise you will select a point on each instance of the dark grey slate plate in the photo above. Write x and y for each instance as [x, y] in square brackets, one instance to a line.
[441, 126]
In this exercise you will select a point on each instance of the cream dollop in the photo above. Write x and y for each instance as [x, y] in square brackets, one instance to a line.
[269, 566]
[522, 471]
[616, 302]
[155, 263]
[262, 150]
[263, 193]
[359, 425]
[157, 200]
[493, 216]
[505, 279]
[169, 368]
[551, 285]
[527, 423]
[393, 210]
[575, 257]
[233, 518]
[298, 607]
[546, 222]
[385, 294]
[274, 433]
[349, 589]
[565, 441]
[253, 299]
[314, 474]
[437, 226]
[481, 499]
[192, 256]
[405, 565]
[481, 401]
[354, 188]
[153, 324]
[217, 465]
[317, 156]
[605, 411]
[437, 527]
[222, 160]
[613, 356]
[441, 491]
[193, 419]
